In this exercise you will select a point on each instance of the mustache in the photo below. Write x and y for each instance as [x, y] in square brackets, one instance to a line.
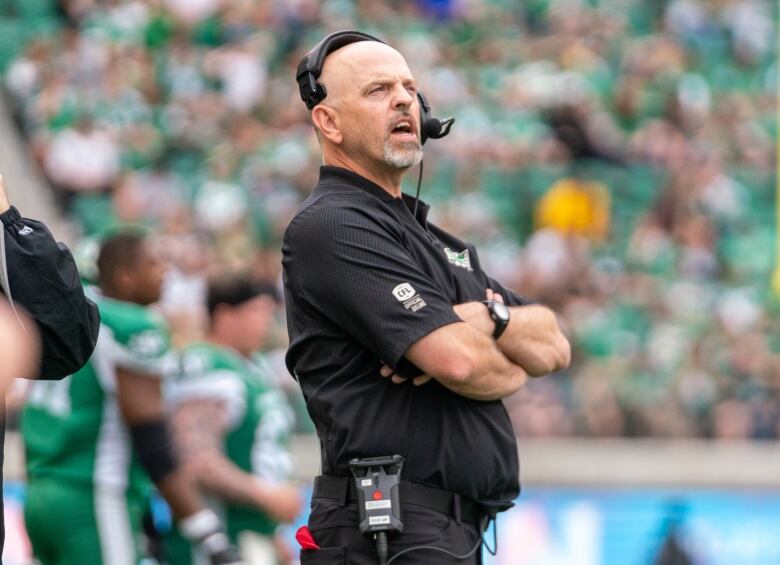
[403, 116]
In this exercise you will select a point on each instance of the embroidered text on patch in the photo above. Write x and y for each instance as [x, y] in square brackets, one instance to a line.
[459, 259]
[405, 293]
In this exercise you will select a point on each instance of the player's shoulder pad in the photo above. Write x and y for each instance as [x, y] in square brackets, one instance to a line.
[136, 327]
[201, 359]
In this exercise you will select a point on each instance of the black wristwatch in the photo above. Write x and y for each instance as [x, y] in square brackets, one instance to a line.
[499, 313]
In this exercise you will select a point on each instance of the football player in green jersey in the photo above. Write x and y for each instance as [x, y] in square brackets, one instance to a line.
[94, 439]
[232, 425]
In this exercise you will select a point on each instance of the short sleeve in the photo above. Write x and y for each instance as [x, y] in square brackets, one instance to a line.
[271, 458]
[349, 263]
[142, 345]
[199, 378]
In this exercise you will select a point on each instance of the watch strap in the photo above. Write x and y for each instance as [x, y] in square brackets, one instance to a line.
[500, 322]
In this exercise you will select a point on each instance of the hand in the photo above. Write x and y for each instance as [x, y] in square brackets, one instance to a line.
[387, 371]
[494, 296]
[281, 501]
[284, 553]
[4, 203]
[219, 550]
[476, 315]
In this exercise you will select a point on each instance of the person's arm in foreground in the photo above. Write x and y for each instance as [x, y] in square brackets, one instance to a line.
[42, 277]
[19, 348]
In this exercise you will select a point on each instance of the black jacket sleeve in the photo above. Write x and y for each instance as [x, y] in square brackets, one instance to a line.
[42, 278]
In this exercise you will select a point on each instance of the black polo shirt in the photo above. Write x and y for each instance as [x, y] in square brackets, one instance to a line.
[364, 279]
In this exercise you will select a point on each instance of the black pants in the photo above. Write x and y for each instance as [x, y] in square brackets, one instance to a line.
[335, 529]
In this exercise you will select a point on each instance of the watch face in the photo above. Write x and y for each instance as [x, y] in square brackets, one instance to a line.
[501, 310]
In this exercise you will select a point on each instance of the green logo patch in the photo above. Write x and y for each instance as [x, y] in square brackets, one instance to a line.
[459, 259]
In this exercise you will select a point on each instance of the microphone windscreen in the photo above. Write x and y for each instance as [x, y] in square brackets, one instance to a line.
[431, 128]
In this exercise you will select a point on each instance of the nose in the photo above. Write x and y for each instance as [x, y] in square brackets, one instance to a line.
[402, 99]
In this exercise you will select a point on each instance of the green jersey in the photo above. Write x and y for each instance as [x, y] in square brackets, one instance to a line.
[72, 429]
[259, 419]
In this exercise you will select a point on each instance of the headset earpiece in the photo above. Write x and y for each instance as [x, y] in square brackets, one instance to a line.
[316, 92]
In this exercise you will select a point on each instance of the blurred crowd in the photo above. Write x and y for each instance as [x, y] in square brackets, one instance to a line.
[611, 158]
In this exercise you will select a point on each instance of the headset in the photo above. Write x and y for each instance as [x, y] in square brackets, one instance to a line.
[313, 92]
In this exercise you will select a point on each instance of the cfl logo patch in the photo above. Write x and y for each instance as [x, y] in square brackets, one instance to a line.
[403, 292]
[406, 294]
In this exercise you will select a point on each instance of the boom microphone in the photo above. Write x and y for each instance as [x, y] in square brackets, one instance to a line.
[435, 128]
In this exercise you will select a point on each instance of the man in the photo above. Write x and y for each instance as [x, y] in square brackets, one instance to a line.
[232, 427]
[373, 290]
[39, 275]
[93, 440]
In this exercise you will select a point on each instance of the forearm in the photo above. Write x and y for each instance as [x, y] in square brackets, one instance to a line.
[181, 494]
[219, 475]
[156, 454]
[465, 361]
[197, 523]
[199, 428]
[140, 403]
[534, 341]
[19, 344]
[4, 203]
[492, 376]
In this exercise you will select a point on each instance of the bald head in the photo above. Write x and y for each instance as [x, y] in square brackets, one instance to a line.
[346, 69]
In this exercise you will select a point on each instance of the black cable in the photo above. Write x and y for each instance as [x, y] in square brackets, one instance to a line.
[381, 547]
[480, 541]
[495, 538]
[417, 196]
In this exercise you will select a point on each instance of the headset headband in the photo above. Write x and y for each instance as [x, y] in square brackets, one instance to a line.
[310, 67]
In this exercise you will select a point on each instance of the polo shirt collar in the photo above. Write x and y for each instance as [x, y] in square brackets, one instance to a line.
[330, 175]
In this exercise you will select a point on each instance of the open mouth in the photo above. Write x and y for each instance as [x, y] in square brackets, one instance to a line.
[404, 129]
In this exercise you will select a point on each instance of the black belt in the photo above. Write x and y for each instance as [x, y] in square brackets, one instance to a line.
[462, 508]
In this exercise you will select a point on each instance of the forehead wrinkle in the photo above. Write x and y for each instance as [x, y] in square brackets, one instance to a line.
[378, 75]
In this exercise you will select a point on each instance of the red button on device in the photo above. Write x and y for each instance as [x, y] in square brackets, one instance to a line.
[377, 495]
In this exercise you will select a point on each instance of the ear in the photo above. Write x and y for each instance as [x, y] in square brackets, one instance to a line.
[326, 120]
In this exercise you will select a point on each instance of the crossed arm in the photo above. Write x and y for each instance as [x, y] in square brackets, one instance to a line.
[464, 357]
[533, 340]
